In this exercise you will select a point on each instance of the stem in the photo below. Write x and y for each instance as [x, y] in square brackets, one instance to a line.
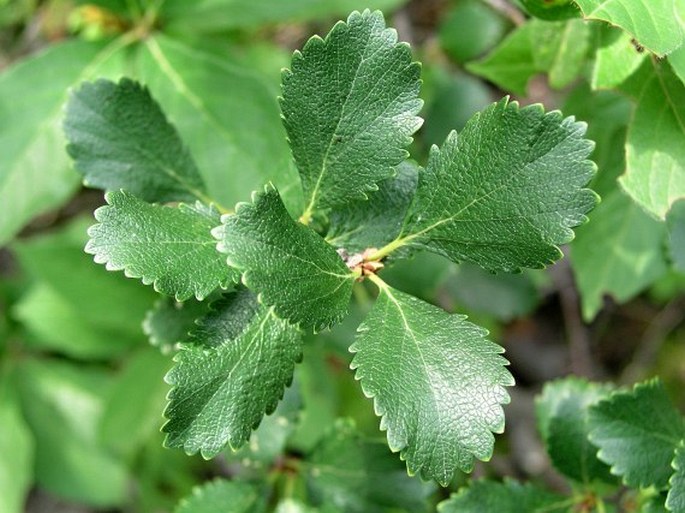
[378, 281]
[389, 248]
[601, 508]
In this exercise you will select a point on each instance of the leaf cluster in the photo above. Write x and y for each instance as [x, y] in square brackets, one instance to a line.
[502, 194]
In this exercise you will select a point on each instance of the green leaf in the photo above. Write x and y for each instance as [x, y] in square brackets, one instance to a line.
[505, 296]
[169, 322]
[119, 138]
[220, 15]
[637, 432]
[676, 234]
[190, 83]
[224, 496]
[551, 9]
[436, 381]
[86, 312]
[505, 192]
[349, 106]
[511, 64]
[563, 411]
[655, 153]
[470, 29]
[63, 405]
[656, 24]
[35, 175]
[507, 497]
[290, 265]
[618, 253]
[677, 62]
[361, 476]
[676, 495]
[169, 247]
[376, 221]
[556, 48]
[16, 451]
[223, 388]
[130, 417]
[616, 58]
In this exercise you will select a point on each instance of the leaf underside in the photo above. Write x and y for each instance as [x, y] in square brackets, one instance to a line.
[506, 191]
[349, 107]
[223, 386]
[291, 267]
[170, 247]
[119, 138]
[436, 381]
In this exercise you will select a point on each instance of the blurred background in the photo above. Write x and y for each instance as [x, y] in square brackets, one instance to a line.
[83, 351]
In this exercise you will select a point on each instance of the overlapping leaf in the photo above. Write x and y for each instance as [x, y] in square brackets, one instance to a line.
[616, 58]
[618, 253]
[361, 476]
[170, 247]
[508, 497]
[35, 175]
[637, 432]
[224, 496]
[655, 153]
[169, 321]
[349, 106]
[563, 417]
[290, 265]
[676, 495]
[224, 386]
[120, 139]
[656, 24]
[505, 192]
[676, 234]
[437, 382]
[375, 222]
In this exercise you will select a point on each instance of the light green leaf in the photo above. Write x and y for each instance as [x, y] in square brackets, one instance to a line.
[505, 192]
[618, 253]
[34, 169]
[616, 58]
[656, 24]
[223, 388]
[63, 405]
[676, 495]
[556, 48]
[507, 497]
[224, 496]
[290, 265]
[677, 62]
[349, 106]
[563, 411]
[171, 248]
[219, 15]
[376, 221]
[655, 153]
[16, 451]
[169, 322]
[676, 234]
[190, 82]
[119, 138]
[505, 296]
[511, 64]
[469, 29]
[134, 402]
[361, 476]
[436, 381]
[560, 49]
[104, 308]
[637, 432]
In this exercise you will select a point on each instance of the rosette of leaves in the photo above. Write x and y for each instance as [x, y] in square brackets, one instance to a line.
[503, 194]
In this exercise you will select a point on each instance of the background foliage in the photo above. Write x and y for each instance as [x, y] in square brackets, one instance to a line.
[81, 388]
